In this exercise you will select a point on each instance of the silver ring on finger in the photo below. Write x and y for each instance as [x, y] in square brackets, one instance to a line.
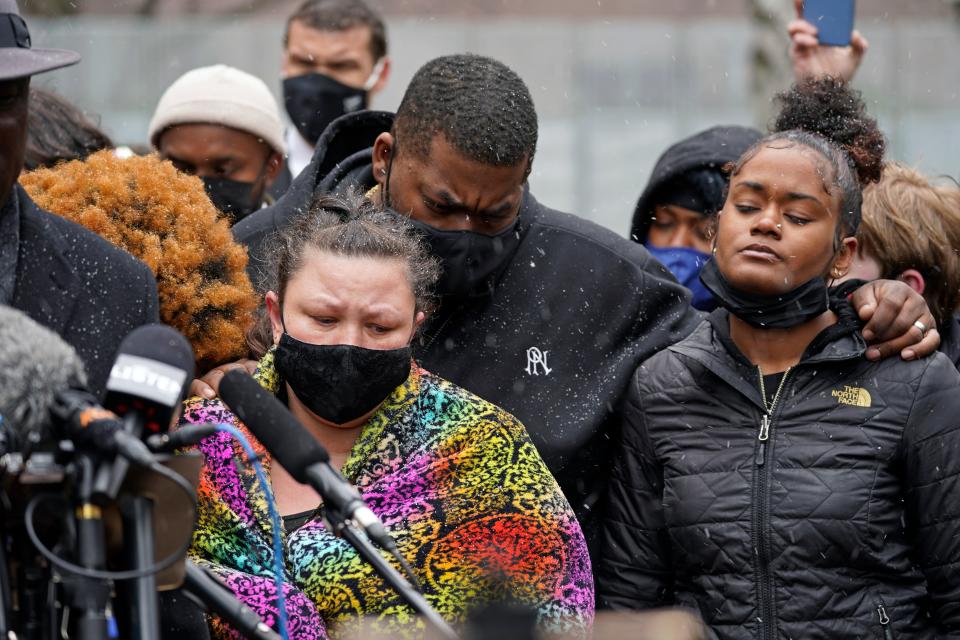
[923, 328]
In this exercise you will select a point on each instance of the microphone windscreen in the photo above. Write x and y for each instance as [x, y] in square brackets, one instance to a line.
[290, 444]
[155, 364]
[35, 364]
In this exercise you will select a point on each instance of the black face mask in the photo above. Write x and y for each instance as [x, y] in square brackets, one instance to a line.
[785, 311]
[470, 262]
[233, 198]
[340, 382]
[314, 100]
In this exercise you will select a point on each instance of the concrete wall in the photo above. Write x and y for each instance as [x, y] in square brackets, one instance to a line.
[611, 92]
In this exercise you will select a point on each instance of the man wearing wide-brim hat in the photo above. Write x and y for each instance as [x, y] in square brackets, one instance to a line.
[63, 276]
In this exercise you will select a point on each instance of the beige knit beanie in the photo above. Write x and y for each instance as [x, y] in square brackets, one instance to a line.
[219, 95]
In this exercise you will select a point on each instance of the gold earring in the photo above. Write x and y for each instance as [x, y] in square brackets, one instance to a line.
[838, 273]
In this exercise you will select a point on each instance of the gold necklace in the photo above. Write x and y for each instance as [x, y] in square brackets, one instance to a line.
[764, 434]
[763, 390]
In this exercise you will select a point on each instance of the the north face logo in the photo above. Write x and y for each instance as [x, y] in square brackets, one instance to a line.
[854, 396]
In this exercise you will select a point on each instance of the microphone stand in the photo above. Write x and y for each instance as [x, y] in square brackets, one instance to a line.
[139, 545]
[216, 598]
[91, 597]
[359, 541]
[143, 604]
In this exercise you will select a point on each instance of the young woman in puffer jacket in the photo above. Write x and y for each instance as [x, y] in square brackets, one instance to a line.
[770, 476]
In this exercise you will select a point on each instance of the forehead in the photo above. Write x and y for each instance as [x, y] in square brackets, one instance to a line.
[359, 279]
[787, 166]
[322, 44]
[209, 140]
[446, 169]
[681, 213]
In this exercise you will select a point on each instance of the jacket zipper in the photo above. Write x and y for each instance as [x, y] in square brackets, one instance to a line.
[884, 621]
[761, 512]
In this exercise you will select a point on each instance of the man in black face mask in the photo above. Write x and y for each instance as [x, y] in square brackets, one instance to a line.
[222, 125]
[334, 59]
[541, 312]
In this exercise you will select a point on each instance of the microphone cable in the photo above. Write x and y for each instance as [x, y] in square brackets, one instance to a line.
[94, 574]
[274, 522]
[176, 478]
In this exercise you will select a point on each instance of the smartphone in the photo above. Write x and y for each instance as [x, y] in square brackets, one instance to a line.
[833, 20]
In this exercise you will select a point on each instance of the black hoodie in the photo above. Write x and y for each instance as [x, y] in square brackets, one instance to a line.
[574, 312]
[710, 149]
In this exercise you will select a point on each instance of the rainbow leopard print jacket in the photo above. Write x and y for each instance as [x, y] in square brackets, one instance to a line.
[457, 482]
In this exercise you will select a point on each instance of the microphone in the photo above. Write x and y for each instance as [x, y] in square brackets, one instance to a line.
[42, 396]
[297, 451]
[185, 437]
[148, 381]
[217, 598]
[35, 365]
[150, 378]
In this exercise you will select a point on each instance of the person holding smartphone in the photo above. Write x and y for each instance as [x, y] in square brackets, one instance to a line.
[813, 59]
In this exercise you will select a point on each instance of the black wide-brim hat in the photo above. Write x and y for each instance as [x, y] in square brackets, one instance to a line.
[17, 58]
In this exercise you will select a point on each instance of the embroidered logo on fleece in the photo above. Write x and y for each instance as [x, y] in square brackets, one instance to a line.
[853, 396]
[537, 361]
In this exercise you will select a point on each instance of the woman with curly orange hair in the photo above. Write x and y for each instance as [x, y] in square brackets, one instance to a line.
[147, 207]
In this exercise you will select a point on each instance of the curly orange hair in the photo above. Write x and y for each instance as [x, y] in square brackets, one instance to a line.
[147, 207]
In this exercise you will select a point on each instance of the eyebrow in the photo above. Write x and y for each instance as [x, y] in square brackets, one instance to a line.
[792, 195]
[448, 200]
[219, 159]
[339, 58]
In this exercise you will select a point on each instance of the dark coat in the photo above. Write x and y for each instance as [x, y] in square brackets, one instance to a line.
[572, 315]
[950, 340]
[844, 524]
[712, 149]
[77, 284]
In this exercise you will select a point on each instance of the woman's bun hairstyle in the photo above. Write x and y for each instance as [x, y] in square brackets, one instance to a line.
[827, 116]
[828, 107]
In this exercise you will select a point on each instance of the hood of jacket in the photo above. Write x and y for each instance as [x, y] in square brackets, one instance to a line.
[710, 149]
[341, 158]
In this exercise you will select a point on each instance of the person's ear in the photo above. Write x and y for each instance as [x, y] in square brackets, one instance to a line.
[914, 279]
[713, 232]
[383, 150]
[844, 258]
[274, 164]
[417, 321]
[384, 76]
[272, 301]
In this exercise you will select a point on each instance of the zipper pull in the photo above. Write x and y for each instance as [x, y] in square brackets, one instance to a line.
[884, 619]
[885, 623]
[763, 437]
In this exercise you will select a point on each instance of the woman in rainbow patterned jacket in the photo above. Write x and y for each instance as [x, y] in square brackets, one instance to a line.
[455, 479]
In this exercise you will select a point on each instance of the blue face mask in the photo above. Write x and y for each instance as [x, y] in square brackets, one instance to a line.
[685, 264]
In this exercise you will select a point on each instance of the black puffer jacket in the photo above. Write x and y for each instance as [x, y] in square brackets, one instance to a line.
[845, 524]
